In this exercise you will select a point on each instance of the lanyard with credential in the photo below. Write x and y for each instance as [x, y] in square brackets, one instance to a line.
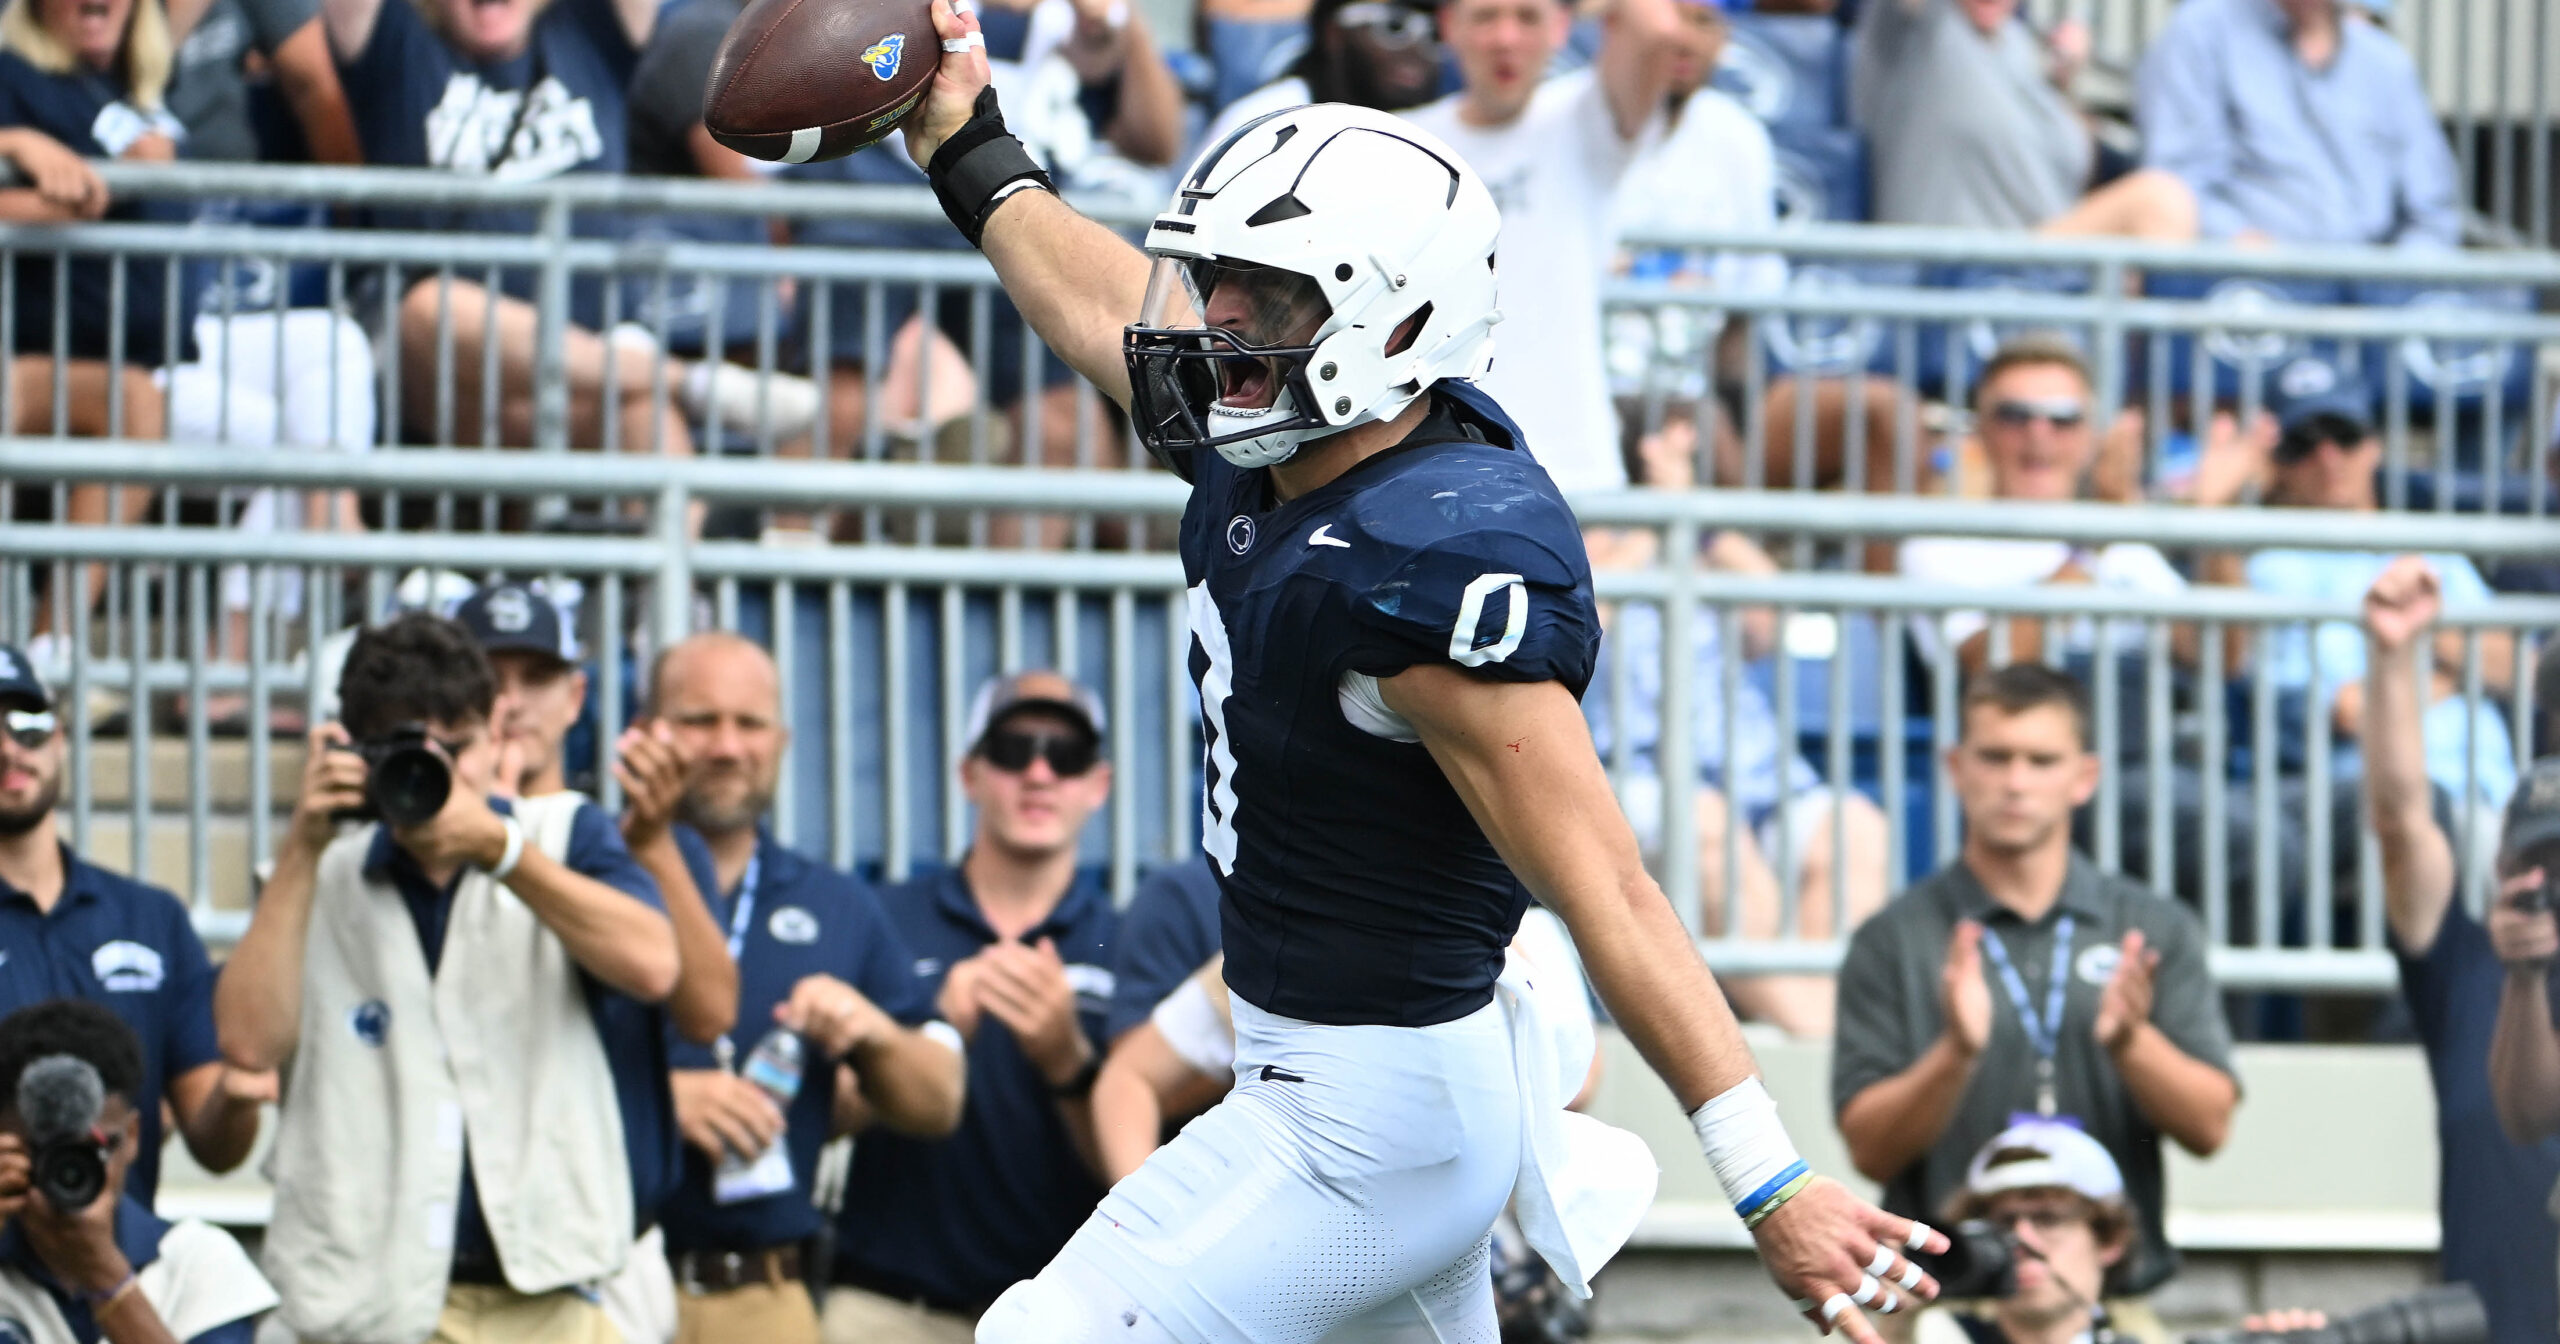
[741, 914]
[2044, 1035]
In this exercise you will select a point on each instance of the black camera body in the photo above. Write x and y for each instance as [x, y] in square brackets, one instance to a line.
[70, 1172]
[2547, 858]
[1980, 1261]
[2446, 1314]
[406, 779]
[60, 1099]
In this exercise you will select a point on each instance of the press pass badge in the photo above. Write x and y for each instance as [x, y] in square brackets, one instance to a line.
[769, 1174]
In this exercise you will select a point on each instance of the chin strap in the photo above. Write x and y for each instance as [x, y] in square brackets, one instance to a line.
[981, 165]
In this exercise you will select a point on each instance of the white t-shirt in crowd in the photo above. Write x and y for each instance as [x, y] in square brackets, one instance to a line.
[1712, 169]
[1991, 562]
[1555, 173]
[1277, 96]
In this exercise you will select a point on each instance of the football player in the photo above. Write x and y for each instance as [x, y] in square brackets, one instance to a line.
[1391, 620]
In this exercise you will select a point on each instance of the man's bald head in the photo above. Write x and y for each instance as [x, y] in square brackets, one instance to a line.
[721, 696]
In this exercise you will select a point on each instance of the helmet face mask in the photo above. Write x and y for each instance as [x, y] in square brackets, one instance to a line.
[1219, 360]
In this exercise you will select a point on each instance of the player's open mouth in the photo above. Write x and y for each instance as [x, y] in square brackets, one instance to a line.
[1247, 383]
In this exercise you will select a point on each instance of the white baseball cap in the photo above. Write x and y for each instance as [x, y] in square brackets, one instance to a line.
[2041, 1154]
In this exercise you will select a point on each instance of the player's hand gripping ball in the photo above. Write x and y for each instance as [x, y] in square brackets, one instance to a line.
[801, 80]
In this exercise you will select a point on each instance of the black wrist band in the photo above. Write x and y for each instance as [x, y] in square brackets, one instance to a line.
[979, 166]
[1081, 1085]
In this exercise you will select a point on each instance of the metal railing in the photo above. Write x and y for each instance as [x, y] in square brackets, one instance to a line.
[882, 644]
[1834, 380]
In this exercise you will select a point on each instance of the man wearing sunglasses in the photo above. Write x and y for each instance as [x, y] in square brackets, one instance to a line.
[1369, 53]
[2056, 1196]
[1014, 942]
[71, 929]
[815, 955]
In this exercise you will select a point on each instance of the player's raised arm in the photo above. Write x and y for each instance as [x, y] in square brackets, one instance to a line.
[1520, 755]
[1077, 283]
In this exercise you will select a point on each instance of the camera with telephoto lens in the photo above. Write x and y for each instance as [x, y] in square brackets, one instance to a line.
[1981, 1260]
[406, 779]
[60, 1099]
[2448, 1314]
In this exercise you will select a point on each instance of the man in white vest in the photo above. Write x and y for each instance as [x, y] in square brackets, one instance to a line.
[107, 1269]
[450, 1159]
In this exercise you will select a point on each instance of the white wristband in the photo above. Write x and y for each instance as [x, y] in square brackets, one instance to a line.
[505, 867]
[1743, 1139]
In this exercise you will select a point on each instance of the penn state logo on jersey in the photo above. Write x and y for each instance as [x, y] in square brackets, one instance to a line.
[127, 967]
[1240, 534]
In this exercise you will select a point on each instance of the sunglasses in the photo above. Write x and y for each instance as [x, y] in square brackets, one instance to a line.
[1068, 754]
[31, 728]
[1394, 25]
[2061, 414]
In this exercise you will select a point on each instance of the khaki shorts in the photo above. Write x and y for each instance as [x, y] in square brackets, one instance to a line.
[854, 1316]
[488, 1314]
[759, 1313]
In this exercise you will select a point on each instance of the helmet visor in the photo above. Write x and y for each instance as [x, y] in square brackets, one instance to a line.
[1218, 351]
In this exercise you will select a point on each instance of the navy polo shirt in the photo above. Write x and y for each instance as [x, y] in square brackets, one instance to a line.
[633, 1033]
[138, 1234]
[802, 918]
[132, 947]
[959, 1220]
[2490, 1193]
[1169, 931]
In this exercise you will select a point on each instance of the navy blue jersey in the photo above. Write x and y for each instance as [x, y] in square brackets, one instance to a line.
[87, 112]
[1357, 886]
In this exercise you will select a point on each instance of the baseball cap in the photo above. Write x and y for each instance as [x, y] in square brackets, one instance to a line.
[2313, 386]
[511, 616]
[20, 687]
[2533, 813]
[2041, 1154]
[1000, 698]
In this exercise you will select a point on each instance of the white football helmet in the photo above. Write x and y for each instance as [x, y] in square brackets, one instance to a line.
[1295, 255]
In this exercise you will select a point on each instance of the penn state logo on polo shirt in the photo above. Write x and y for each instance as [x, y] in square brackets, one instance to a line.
[1093, 985]
[928, 967]
[370, 1021]
[792, 924]
[127, 967]
[2097, 965]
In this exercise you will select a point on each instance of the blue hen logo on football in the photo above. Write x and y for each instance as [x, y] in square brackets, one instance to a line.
[882, 56]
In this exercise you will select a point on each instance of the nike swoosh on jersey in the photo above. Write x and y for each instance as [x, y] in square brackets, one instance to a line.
[1323, 536]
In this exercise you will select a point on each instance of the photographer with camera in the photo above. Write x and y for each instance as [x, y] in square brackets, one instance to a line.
[69, 928]
[443, 980]
[80, 1257]
[2040, 1220]
[2524, 1046]
[2491, 1189]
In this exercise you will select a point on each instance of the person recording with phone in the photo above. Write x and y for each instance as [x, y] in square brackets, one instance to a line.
[80, 1257]
[441, 980]
[2524, 1047]
[2497, 1235]
[71, 929]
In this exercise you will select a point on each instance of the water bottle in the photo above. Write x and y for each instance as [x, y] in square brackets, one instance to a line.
[773, 1067]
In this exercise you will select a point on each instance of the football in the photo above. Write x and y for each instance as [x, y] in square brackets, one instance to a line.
[800, 80]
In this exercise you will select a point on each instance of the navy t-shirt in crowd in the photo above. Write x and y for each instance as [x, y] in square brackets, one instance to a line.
[115, 941]
[1169, 930]
[633, 1033]
[78, 108]
[2498, 1233]
[790, 918]
[419, 104]
[957, 1221]
[139, 1233]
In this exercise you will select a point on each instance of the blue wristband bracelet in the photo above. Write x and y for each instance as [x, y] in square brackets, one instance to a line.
[1770, 1188]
